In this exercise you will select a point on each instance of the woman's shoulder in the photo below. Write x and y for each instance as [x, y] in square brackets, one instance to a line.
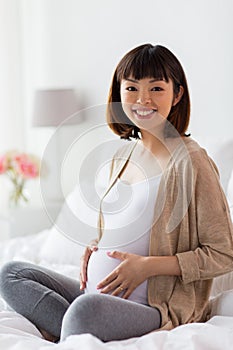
[125, 149]
[198, 156]
[121, 156]
[190, 148]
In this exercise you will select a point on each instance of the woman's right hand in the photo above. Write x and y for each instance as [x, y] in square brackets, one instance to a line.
[92, 247]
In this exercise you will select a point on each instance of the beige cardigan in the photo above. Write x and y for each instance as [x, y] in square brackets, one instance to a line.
[191, 221]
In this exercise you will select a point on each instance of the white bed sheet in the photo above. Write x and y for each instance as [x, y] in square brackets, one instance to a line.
[17, 333]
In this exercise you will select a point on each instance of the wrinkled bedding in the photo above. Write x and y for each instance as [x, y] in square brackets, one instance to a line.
[17, 333]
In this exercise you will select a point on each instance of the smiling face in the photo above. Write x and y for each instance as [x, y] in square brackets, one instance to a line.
[148, 84]
[147, 102]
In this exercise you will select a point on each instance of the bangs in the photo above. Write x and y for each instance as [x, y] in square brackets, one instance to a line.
[146, 64]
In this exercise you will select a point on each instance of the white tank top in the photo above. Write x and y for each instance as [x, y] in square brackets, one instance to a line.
[128, 212]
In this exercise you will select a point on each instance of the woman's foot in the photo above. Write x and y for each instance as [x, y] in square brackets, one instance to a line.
[48, 336]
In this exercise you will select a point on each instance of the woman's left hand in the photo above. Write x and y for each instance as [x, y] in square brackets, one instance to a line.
[129, 274]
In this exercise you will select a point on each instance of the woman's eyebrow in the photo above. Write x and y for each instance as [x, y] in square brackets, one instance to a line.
[131, 80]
[136, 81]
[155, 80]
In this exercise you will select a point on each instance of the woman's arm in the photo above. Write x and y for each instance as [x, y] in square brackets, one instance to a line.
[134, 270]
[213, 255]
[162, 266]
[84, 262]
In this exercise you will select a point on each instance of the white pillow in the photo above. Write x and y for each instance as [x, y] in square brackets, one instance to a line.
[75, 227]
[58, 249]
[230, 194]
[222, 283]
[221, 151]
[230, 189]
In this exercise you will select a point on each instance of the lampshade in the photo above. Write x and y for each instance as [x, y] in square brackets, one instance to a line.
[54, 106]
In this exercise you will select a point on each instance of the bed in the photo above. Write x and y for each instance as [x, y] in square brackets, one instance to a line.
[53, 249]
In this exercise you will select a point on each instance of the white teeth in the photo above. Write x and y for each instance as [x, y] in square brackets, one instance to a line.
[144, 113]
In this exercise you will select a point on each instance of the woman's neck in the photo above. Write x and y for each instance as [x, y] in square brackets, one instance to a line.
[154, 144]
[160, 147]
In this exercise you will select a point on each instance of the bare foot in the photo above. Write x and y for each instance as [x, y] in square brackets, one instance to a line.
[48, 336]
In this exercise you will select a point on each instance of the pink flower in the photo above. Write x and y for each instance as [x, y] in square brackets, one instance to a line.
[3, 164]
[27, 166]
[19, 167]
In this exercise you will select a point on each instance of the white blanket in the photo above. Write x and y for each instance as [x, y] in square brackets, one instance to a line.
[17, 333]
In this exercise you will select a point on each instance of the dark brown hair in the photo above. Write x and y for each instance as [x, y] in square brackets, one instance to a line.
[148, 61]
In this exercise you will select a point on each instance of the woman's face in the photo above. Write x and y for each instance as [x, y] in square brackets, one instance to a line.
[147, 102]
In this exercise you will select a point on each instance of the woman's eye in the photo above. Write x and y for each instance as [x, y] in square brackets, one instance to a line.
[157, 88]
[131, 88]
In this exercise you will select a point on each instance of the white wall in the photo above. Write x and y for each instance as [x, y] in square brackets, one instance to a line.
[11, 101]
[76, 43]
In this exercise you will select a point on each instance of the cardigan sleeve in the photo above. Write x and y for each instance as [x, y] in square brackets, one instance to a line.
[214, 254]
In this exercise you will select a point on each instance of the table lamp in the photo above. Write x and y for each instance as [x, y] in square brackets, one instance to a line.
[54, 108]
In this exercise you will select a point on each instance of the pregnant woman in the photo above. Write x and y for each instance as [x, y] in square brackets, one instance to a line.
[164, 229]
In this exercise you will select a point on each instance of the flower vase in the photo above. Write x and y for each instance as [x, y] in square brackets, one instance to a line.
[19, 195]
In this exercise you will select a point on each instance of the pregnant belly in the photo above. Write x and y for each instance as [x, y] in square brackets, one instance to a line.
[99, 266]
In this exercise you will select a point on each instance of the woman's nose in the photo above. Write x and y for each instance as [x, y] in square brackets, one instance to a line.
[144, 98]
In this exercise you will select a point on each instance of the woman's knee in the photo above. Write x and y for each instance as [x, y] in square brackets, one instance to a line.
[8, 273]
[82, 315]
[85, 307]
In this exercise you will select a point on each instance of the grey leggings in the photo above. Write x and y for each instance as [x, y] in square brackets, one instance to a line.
[53, 302]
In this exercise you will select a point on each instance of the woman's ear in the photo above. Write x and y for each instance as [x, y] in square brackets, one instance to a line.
[178, 97]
